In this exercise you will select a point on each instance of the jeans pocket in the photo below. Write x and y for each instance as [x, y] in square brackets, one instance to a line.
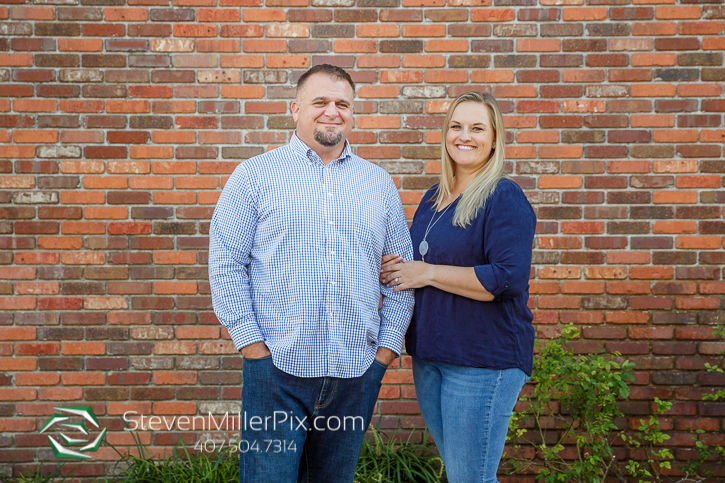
[384, 366]
[257, 358]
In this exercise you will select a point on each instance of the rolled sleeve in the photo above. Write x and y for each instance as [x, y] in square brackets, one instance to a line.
[231, 235]
[397, 308]
[508, 237]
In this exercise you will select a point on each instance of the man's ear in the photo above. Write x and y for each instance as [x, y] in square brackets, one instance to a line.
[295, 108]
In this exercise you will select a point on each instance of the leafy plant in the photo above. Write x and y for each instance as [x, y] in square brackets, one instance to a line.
[398, 462]
[649, 435]
[719, 331]
[38, 476]
[380, 462]
[697, 466]
[179, 465]
[569, 419]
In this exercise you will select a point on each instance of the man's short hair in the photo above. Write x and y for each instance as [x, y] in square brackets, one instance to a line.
[333, 71]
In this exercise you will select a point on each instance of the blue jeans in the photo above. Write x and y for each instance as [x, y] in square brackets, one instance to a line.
[467, 410]
[300, 430]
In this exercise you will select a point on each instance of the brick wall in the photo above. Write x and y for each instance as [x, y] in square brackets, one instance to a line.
[120, 122]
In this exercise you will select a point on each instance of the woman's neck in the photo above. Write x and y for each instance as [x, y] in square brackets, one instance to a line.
[461, 181]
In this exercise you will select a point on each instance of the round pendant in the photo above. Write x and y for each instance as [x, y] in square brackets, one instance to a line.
[423, 248]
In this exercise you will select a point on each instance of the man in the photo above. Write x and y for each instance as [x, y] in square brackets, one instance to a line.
[295, 249]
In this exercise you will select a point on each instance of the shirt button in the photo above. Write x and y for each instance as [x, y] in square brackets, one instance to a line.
[332, 282]
[332, 252]
[329, 194]
[332, 223]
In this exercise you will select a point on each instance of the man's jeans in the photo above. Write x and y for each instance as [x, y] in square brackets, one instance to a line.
[303, 429]
[467, 410]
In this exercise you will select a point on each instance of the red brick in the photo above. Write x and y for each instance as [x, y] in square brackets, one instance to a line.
[679, 13]
[41, 379]
[355, 46]
[492, 15]
[20, 394]
[584, 14]
[32, 105]
[175, 378]
[195, 30]
[651, 333]
[83, 348]
[125, 14]
[60, 393]
[84, 379]
[627, 317]
[37, 349]
[162, 407]
[219, 15]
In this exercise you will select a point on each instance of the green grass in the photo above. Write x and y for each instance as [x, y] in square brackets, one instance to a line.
[179, 465]
[390, 461]
[398, 462]
[38, 476]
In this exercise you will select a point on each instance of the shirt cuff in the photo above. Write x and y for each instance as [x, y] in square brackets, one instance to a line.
[245, 332]
[391, 339]
[489, 281]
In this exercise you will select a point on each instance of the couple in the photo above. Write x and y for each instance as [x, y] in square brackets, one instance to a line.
[303, 242]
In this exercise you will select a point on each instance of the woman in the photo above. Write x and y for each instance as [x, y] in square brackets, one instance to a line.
[471, 336]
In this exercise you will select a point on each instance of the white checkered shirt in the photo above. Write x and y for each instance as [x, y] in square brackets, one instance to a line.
[295, 249]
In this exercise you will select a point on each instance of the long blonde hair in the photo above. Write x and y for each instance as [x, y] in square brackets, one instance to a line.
[483, 185]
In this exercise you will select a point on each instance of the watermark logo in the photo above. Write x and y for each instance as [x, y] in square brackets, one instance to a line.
[64, 421]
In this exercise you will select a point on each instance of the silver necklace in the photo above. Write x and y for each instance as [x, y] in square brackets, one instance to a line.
[423, 247]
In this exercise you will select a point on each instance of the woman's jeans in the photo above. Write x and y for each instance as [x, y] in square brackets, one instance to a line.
[305, 430]
[467, 410]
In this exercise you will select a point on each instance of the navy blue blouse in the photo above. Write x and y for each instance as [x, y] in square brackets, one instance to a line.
[498, 242]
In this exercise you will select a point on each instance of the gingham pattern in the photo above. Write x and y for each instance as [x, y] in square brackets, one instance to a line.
[294, 256]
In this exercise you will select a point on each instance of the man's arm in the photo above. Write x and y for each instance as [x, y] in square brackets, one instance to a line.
[231, 235]
[397, 307]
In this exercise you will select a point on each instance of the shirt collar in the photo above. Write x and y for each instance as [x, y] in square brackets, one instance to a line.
[305, 151]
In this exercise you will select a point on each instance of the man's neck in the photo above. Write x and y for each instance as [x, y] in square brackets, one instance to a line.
[326, 154]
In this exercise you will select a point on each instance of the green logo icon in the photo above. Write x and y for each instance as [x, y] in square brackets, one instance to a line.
[86, 413]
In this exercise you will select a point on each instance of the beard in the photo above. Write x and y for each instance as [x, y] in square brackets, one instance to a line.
[327, 138]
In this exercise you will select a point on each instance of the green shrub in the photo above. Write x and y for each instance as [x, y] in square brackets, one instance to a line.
[569, 422]
[573, 405]
[179, 465]
[380, 462]
[398, 462]
[53, 475]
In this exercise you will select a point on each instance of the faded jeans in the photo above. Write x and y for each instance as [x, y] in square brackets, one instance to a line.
[467, 410]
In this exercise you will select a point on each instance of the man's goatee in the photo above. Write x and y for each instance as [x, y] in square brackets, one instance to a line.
[328, 138]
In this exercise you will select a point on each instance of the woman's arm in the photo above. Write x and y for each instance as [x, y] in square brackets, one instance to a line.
[457, 280]
[510, 227]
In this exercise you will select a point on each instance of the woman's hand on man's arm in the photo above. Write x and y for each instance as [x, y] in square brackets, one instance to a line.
[404, 275]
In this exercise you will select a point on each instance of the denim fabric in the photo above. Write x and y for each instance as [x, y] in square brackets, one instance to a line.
[467, 410]
[310, 435]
